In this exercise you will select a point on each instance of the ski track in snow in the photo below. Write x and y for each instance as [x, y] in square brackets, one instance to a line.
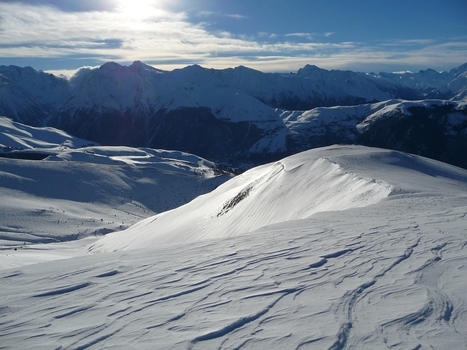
[353, 280]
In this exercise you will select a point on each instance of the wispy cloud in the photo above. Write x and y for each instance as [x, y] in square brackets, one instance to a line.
[408, 42]
[70, 6]
[266, 35]
[237, 16]
[220, 15]
[308, 36]
[169, 39]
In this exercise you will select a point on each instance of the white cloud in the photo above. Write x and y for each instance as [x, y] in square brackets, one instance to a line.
[168, 40]
[237, 16]
[219, 14]
[71, 6]
[308, 36]
[266, 35]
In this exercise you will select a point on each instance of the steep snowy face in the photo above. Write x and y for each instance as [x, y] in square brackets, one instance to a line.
[16, 104]
[30, 96]
[38, 85]
[143, 90]
[114, 87]
[459, 84]
[432, 128]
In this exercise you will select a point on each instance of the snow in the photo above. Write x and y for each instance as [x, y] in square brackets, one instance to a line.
[403, 107]
[239, 94]
[83, 193]
[141, 87]
[262, 196]
[352, 120]
[335, 248]
[18, 135]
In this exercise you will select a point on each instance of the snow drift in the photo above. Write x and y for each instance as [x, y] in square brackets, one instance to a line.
[387, 271]
[329, 179]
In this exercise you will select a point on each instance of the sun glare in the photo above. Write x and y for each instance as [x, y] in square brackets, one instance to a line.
[140, 9]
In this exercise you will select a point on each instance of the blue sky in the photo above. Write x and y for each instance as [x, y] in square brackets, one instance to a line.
[270, 35]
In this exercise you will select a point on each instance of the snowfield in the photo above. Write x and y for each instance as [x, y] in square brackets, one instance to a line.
[17, 135]
[344, 247]
[49, 206]
[291, 189]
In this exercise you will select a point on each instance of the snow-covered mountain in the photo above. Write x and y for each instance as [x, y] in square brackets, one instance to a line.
[434, 128]
[430, 83]
[30, 96]
[239, 116]
[345, 247]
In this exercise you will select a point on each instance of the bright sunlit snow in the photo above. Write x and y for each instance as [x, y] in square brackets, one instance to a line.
[291, 189]
[17, 135]
[335, 248]
[84, 193]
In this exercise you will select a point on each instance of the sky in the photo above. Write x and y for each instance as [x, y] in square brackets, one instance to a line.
[61, 36]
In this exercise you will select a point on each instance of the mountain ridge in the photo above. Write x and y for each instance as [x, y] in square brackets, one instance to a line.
[236, 116]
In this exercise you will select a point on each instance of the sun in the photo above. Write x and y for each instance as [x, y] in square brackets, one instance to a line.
[140, 9]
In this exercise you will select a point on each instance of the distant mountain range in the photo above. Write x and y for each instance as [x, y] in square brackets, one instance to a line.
[244, 117]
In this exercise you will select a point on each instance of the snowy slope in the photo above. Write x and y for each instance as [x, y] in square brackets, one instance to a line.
[391, 274]
[30, 96]
[292, 189]
[91, 191]
[38, 85]
[21, 136]
[433, 128]
[76, 193]
[146, 90]
[358, 119]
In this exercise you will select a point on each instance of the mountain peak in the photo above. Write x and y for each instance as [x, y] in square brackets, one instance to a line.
[138, 63]
[111, 66]
[429, 71]
[138, 66]
[244, 68]
[194, 67]
[308, 70]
